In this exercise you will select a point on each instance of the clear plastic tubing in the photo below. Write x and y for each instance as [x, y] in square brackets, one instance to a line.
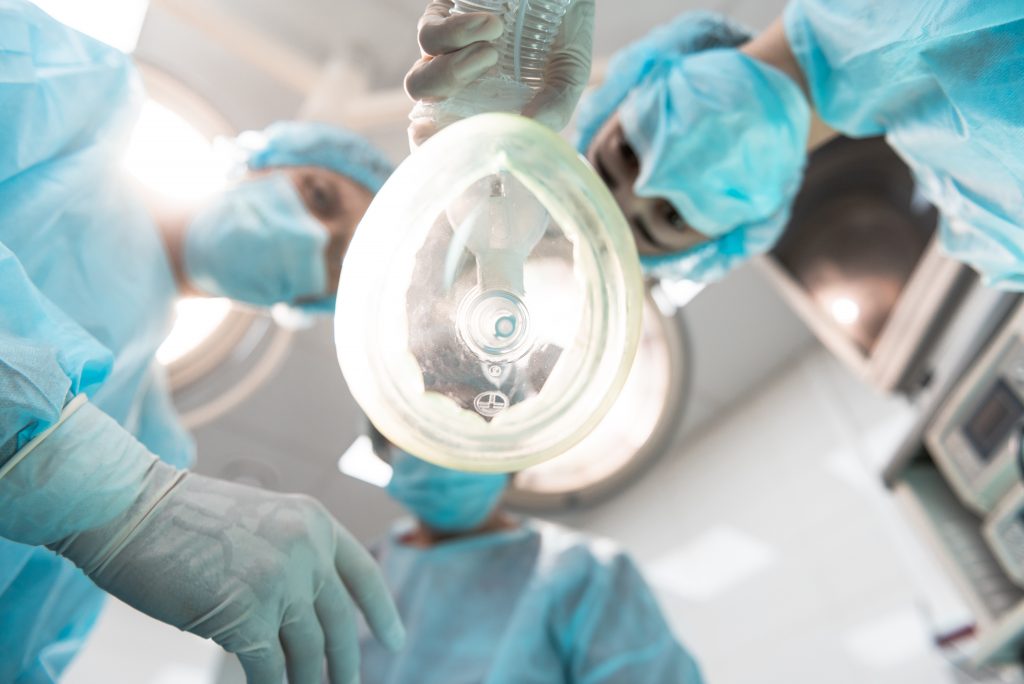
[502, 221]
[530, 29]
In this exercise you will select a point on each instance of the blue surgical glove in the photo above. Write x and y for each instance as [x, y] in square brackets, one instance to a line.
[719, 135]
[447, 500]
[270, 577]
[257, 243]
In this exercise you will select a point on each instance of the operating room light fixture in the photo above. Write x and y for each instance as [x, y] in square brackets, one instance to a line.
[860, 263]
[618, 438]
[633, 435]
[170, 155]
[216, 354]
[845, 310]
[195, 320]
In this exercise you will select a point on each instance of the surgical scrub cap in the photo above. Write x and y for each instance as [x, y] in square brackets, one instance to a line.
[689, 32]
[719, 135]
[310, 143]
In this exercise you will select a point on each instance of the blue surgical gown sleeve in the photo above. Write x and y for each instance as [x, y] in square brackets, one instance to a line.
[943, 82]
[60, 91]
[47, 112]
[45, 358]
[614, 632]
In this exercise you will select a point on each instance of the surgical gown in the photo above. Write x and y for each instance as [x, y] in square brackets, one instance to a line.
[538, 604]
[86, 297]
[944, 82]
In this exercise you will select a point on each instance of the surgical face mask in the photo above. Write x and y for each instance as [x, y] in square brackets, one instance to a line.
[446, 500]
[256, 243]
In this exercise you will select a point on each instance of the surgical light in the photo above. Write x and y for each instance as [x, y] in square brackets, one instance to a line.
[845, 310]
[196, 318]
[169, 155]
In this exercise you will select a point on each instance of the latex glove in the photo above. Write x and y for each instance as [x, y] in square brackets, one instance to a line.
[456, 50]
[270, 577]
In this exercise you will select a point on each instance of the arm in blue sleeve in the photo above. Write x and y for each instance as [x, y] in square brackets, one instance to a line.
[865, 61]
[60, 91]
[618, 635]
[45, 358]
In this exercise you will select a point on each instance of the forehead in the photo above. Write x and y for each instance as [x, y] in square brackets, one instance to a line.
[300, 174]
[323, 174]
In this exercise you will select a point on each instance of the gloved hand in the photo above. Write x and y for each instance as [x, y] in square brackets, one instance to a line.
[457, 50]
[269, 577]
[722, 137]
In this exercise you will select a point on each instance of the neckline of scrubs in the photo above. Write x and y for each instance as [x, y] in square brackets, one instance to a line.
[524, 528]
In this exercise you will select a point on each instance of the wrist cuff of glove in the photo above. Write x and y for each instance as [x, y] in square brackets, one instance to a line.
[81, 474]
[92, 549]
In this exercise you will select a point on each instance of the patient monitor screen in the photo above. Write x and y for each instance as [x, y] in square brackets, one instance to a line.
[992, 421]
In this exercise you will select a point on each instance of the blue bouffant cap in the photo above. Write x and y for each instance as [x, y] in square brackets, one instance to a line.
[310, 143]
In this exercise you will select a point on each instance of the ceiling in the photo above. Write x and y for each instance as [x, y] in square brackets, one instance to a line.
[340, 60]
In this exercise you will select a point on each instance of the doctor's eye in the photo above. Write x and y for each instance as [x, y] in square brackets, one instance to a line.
[672, 216]
[321, 198]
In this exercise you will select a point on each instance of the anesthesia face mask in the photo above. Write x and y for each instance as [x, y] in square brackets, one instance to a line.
[490, 302]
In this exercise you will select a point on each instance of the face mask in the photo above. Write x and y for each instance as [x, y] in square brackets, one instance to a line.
[256, 243]
[446, 500]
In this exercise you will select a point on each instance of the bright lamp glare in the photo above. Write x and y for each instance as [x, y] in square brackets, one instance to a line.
[360, 462]
[170, 156]
[114, 22]
[845, 310]
[196, 320]
[630, 423]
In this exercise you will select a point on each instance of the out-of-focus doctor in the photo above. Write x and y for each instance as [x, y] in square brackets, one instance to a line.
[91, 451]
[702, 131]
[491, 598]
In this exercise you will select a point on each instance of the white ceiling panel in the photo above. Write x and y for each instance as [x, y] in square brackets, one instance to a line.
[259, 60]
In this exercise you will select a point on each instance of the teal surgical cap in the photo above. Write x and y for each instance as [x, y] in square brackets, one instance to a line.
[310, 143]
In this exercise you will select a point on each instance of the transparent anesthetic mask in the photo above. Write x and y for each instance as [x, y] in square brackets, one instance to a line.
[489, 305]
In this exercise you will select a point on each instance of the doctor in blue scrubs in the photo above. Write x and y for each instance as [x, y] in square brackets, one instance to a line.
[94, 494]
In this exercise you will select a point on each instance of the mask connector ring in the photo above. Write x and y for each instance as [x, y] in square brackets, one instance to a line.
[494, 325]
